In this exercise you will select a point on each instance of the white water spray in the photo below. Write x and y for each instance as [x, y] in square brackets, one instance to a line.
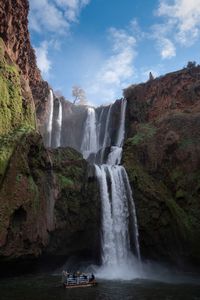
[59, 124]
[106, 140]
[89, 143]
[117, 205]
[121, 131]
[118, 211]
[50, 119]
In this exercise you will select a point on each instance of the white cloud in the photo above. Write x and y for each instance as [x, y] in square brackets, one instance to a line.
[161, 33]
[54, 15]
[168, 49]
[117, 70]
[43, 61]
[185, 15]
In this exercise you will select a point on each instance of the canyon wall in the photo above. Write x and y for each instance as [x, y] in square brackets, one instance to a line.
[49, 199]
[162, 157]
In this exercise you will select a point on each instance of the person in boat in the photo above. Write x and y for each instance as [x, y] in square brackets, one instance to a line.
[92, 277]
[65, 275]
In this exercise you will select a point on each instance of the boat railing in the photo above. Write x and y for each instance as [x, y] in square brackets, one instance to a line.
[77, 280]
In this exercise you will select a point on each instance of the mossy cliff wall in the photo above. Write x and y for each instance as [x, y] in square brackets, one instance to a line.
[17, 112]
[162, 157]
[47, 203]
[15, 34]
[77, 208]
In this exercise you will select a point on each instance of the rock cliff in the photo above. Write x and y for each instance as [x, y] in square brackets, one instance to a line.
[49, 201]
[15, 34]
[162, 157]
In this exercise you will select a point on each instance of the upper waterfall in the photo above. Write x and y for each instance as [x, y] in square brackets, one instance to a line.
[50, 119]
[59, 124]
[89, 143]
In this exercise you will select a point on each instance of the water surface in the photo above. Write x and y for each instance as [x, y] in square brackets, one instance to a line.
[45, 287]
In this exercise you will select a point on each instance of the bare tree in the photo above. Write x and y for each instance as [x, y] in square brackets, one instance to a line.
[79, 95]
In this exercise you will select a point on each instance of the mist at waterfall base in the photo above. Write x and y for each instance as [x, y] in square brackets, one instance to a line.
[93, 132]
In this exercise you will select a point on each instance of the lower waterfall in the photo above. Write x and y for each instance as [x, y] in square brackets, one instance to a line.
[117, 210]
[119, 230]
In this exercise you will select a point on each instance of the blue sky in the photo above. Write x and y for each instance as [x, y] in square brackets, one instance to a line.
[105, 45]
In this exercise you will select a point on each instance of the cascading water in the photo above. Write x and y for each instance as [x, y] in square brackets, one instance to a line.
[106, 141]
[118, 211]
[89, 143]
[119, 222]
[50, 119]
[59, 124]
[121, 131]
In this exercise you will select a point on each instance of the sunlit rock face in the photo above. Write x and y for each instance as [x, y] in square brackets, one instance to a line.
[15, 34]
[162, 158]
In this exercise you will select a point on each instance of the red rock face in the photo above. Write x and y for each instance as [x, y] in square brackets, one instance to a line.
[14, 32]
[174, 92]
[162, 157]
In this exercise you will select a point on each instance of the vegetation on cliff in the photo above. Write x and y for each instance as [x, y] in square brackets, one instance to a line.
[17, 114]
[162, 158]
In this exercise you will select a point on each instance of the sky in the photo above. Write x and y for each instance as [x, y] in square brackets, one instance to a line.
[104, 46]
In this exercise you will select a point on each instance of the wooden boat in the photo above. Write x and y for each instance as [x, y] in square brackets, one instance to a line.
[79, 285]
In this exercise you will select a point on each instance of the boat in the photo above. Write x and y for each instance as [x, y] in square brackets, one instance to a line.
[70, 281]
[79, 285]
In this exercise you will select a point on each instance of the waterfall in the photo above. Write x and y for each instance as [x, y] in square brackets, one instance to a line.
[118, 209]
[50, 119]
[89, 143]
[101, 145]
[121, 131]
[106, 141]
[59, 124]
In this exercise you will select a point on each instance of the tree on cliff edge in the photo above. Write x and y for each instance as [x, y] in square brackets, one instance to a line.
[79, 95]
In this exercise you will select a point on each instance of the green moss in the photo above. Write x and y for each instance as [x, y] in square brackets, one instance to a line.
[187, 142]
[1, 49]
[145, 131]
[18, 178]
[65, 181]
[182, 219]
[176, 174]
[7, 146]
[13, 112]
[180, 194]
[33, 188]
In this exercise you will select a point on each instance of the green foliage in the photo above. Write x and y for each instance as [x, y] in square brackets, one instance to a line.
[176, 175]
[65, 181]
[18, 178]
[187, 142]
[180, 194]
[13, 113]
[7, 146]
[33, 188]
[145, 132]
[191, 64]
[182, 219]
